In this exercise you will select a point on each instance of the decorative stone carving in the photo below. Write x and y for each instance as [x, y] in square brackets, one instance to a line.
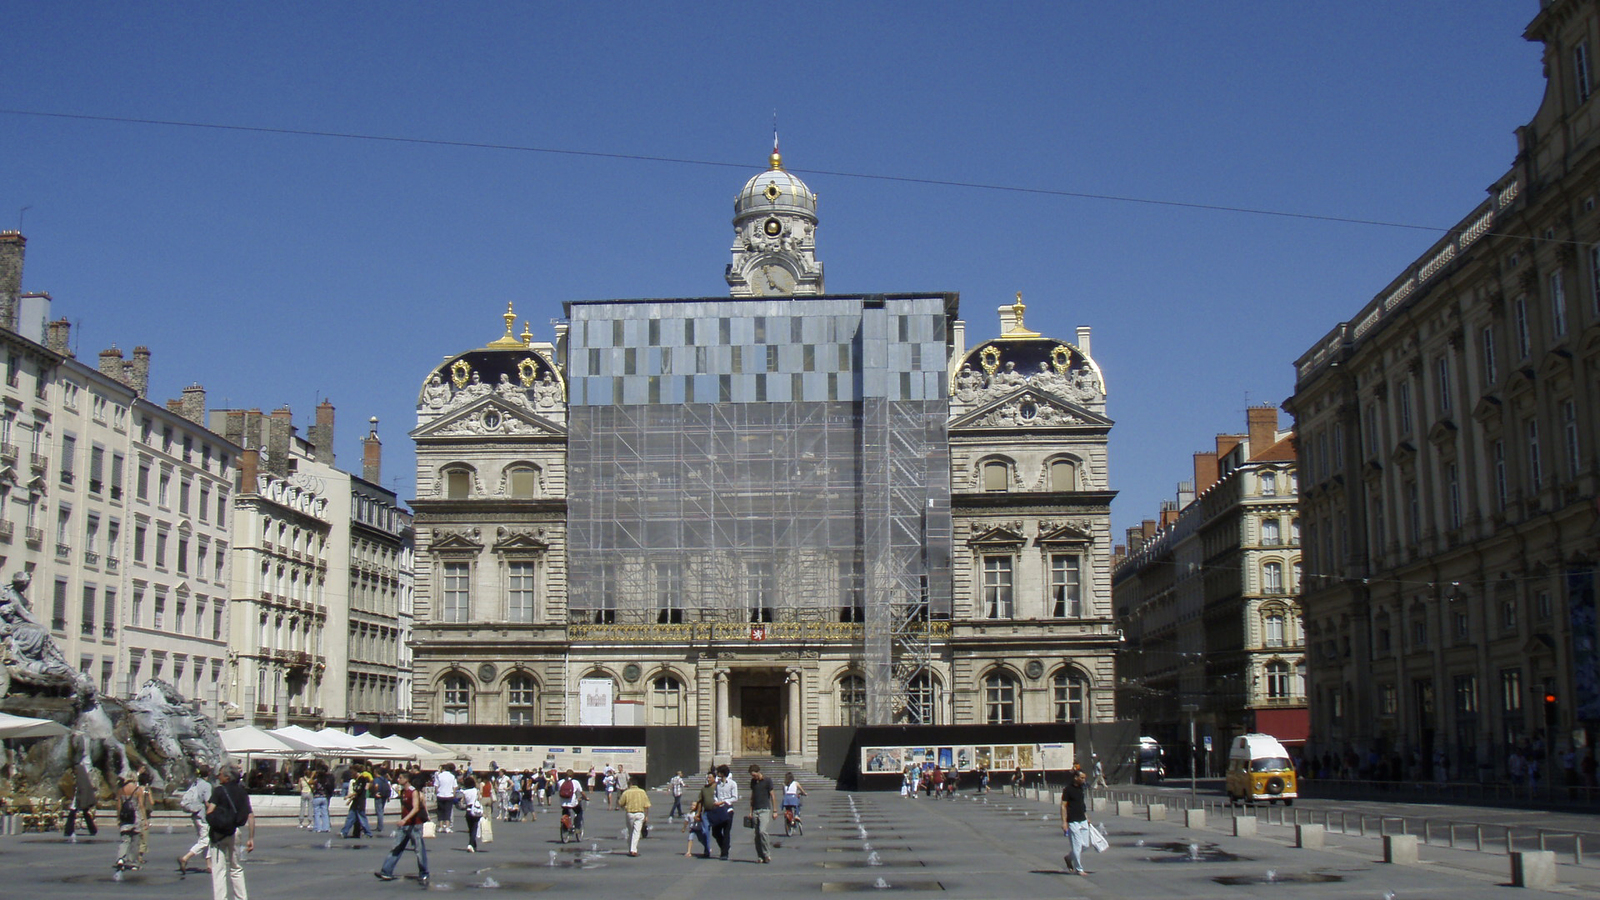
[31, 655]
[1027, 410]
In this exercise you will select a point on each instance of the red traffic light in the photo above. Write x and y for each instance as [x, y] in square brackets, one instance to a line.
[1549, 698]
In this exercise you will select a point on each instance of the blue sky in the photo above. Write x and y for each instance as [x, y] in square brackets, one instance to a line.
[280, 269]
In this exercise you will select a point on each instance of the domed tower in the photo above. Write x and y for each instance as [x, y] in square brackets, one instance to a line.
[774, 245]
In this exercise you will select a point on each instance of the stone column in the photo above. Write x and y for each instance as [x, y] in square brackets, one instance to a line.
[720, 748]
[794, 739]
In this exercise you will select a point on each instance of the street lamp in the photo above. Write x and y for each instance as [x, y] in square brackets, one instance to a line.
[1194, 767]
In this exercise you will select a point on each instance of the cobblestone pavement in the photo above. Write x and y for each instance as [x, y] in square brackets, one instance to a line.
[990, 847]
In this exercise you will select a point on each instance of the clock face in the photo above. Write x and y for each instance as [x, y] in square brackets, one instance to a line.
[772, 280]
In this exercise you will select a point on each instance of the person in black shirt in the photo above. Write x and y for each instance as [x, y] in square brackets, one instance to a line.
[1075, 821]
[761, 810]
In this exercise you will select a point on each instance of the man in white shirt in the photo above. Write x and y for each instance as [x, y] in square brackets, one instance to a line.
[721, 814]
[676, 786]
[570, 790]
[444, 794]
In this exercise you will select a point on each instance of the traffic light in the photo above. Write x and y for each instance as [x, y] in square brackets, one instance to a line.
[1552, 711]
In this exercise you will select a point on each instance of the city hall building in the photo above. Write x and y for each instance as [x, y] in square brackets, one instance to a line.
[763, 513]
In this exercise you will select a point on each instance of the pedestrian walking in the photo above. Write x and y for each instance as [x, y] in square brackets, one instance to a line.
[472, 808]
[355, 820]
[724, 797]
[676, 786]
[635, 804]
[227, 811]
[413, 815]
[762, 811]
[322, 789]
[307, 784]
[194, 802]
[78, 789]
[1099, 773]
[703, 804]
[147, 805]
[444, 795]
[127, 822]
[382, 790]
[1075, 822]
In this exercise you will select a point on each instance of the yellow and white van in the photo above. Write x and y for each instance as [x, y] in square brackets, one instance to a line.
[1259, 768]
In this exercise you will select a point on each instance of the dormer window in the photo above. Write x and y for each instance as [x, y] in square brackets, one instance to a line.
[457, 484]
[996, 476]
[522, 482]
[1063, 475]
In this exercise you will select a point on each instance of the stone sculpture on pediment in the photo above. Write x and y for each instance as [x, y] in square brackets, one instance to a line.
[546, 392]
[436, 393]
[1027, 410]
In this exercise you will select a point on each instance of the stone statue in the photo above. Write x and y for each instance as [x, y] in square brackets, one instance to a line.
[170, 735]
[546, 392]
[969, 385]
[476, 387]
[32, 657]
[436, 394]
[1048, 379]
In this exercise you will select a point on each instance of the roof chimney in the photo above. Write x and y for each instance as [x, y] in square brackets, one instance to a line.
[320, 435]
[139, 371]
[1083, 340]
[1262, 423]
[372, 454]
[58, 337]
[1205, 472]
[12, 244]
[111, 364]
[280, 435]
[249, 465]
[194, 404]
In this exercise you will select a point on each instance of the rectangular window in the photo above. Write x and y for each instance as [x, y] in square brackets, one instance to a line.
[455, 593]
[1441, 370]
[86, 612]
[164, 489]
[142, 486]
[1535, 463]
[1501, 484]
[1569, 430]
[519, 591]
[997, 600]
[116, 476]
[1558, 307]
[1491, 375]
[759, 590]
[1453, 489]
[97, 466]
[1519, 311]
[205, 503]
[1374, 436]
[108, 615]
[136, 608]
[1066, 586]
[161, 549]
[1388, 699]
[1511, 690]
[183, 556]
[669, 593]
[1581, 76]
[183, 496]
[850, 608]
[1467, 694]
[58, 607]
[1405, 407]
[69, 453]
[1414, 507]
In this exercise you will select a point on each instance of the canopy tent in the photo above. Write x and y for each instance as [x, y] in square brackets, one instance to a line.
[362, 745]
[412, 750]
[438, 750]
[248, 740]
[24, 727]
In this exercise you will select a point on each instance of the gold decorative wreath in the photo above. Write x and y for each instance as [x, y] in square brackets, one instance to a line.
[772, 192]
[526, 369]
[1061, 359]
[990, 359]
[460, 373]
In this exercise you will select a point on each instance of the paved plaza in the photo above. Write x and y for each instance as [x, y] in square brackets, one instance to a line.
[993, 847]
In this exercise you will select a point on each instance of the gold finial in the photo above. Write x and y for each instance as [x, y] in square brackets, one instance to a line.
[1017, 329]
[777, 159]
[527, 333]
[508, 340]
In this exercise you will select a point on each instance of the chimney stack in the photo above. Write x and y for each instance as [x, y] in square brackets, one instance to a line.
[58, 337]
[249, 465]
[139, 371]
[1083, 340]
[12, 244]
[321, 435]
[1205, 472]
[372, 454]
[111, 364]
[1262, 423]
[194, 404]
[280, 436]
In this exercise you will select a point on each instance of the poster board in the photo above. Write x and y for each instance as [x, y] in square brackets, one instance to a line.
[967, 758]
[594, 701]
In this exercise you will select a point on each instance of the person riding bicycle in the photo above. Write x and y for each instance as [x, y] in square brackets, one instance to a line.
[792, 792]
[572, 796]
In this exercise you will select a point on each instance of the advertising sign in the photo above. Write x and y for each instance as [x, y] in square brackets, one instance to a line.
[594, 701]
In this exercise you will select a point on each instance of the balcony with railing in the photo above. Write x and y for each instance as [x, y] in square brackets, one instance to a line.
[112, 563]
[34, 536]
[91, 558]
[38, 461]
[7, 531]
[8, 452]
[64, 552]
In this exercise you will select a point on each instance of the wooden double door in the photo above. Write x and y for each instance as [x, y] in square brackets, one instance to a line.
[761, 717]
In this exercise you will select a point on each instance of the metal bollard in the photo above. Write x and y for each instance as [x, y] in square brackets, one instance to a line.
[1541, 839]
[1510, 849]
[1577, 849]
[1427, 830]
[1477, 837]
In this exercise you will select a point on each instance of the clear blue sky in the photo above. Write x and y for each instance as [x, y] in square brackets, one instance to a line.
[278, 269]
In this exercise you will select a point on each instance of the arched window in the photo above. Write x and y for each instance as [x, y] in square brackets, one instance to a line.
[521, 700]
[1070, 692]
[457, 484]
[456, 708]
[921, 701]
[1063, 475]
[852, 700]
[1270, 534]
[1278, 680]
[1272, 629]
[1000, 699]
[1294, 585]
[996, 476]
[522, 482]
[666, 701]
[1272, 578]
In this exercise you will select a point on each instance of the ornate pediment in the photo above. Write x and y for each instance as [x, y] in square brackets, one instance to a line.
[491, 415]
[1003, 534]
[457, 538]
[1070, 532]
[1488, 407]
[521, 539]
[1442, 431]
[1028, 407]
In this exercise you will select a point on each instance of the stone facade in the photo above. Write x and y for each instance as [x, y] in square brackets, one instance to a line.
[1448, 434]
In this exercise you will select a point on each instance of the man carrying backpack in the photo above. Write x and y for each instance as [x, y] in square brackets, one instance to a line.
[381, 791]
[572, 796]
[227, 811]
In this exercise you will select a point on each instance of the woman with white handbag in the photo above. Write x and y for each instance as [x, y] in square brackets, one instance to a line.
[1075, 821]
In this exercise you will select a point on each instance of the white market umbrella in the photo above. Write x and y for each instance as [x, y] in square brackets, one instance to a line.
[24, 727]
[361, 746]
[400, 745]
[248, 740]
[439, 752]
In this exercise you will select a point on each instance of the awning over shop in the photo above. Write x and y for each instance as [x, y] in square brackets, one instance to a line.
[1290, 726]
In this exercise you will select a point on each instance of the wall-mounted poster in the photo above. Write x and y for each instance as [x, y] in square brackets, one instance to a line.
[882, 759]
[1056, 756]
[1025, 758]
[946, 757]
[964, 758]
[1005, 757]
